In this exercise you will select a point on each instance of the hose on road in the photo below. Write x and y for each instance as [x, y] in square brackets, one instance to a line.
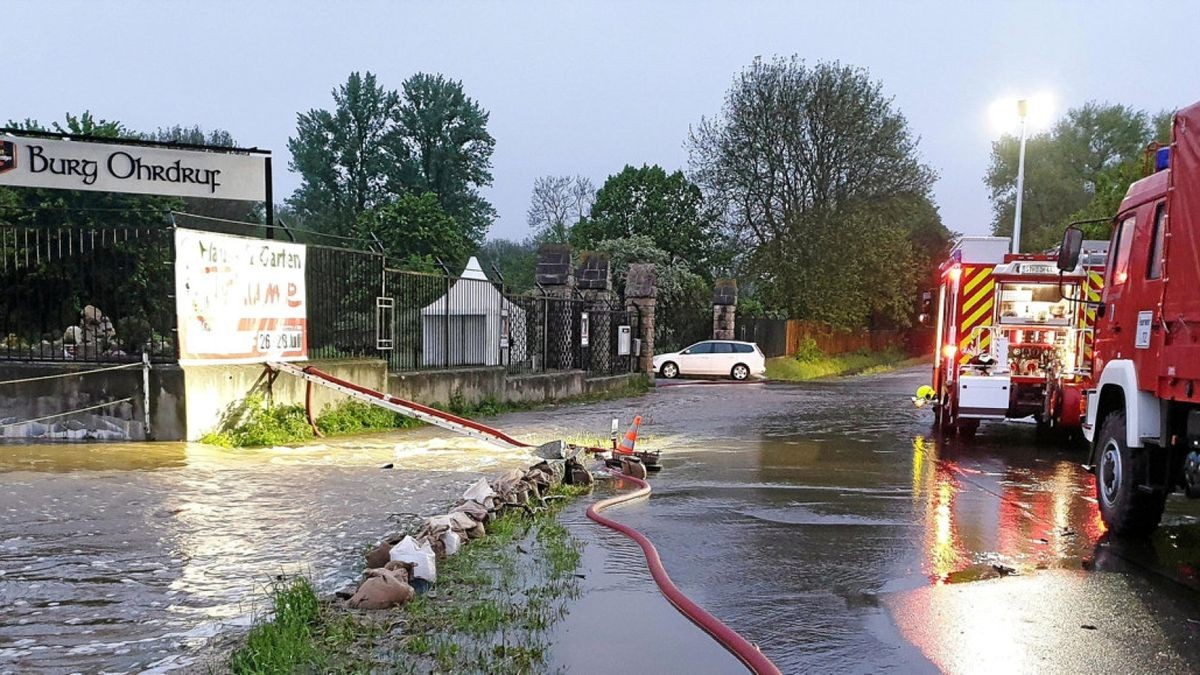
[737, 645]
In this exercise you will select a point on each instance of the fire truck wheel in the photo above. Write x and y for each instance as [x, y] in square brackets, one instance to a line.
[669, 370]
[1126, 509]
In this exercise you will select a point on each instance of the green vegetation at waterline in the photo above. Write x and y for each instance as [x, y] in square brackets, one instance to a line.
[257, 423]
[811, 363]
[489, 612]
[261, 424]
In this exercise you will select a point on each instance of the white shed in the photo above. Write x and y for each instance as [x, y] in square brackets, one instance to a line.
[472, 321]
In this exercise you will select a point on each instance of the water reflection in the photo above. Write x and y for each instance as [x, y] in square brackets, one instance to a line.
[985, 513]
[125, 556]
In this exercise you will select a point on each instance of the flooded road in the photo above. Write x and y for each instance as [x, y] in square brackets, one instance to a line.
[822, 523]
[818, 520]
[126, 558]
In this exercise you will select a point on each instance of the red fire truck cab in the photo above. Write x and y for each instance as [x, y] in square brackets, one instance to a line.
[1143, 413]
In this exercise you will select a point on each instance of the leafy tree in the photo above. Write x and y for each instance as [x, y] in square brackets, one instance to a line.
[346, 158]
[129, 279]
[810, 168]
[445, 148]
[378, 145]
[415, 229]
[517, 262]
[224, 209]
[557, 205]
[667, 208]
[1079, 169]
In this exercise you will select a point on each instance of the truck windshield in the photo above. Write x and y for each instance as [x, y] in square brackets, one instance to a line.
[1030, 303]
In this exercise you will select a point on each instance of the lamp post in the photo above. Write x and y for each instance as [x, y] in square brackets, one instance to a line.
[1022, 112]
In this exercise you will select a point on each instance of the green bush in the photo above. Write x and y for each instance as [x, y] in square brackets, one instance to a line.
[351, 416]
[809, 351]
[267, 425]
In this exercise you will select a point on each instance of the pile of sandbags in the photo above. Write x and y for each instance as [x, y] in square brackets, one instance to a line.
[403, 564]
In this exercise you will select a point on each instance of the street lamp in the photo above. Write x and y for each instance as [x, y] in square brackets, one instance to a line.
[1031, 111]
[1022, 112]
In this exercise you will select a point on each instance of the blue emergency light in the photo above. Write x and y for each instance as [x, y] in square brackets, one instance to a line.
[1161, 158]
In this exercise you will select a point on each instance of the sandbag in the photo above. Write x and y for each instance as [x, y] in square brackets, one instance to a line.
[451, 541]
[380, 555]
[478, 512]
[555, 471]
[420, 554]
[632, 466]
[505, 482]
[383, 589]
[479, 491]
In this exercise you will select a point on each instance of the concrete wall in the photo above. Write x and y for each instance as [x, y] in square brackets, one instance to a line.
[216, 394]
[437, 386]
[186, 402]
[478, 384]
[124, 421]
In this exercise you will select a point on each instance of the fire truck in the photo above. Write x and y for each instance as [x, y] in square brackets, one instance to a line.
[1143, 412]
[1014, 336]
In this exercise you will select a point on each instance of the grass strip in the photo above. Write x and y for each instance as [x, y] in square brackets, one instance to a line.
[792, 369]
[490, 611]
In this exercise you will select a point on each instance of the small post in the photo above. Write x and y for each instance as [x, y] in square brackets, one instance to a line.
[146, 391]
[270, 198]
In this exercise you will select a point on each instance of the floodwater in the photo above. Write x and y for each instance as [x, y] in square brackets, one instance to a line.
[822, 523]
[818, 520]
[127, 558]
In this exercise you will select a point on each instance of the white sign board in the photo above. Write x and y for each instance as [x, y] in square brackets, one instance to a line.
[584, 329]
[624, 340]
[106, 167]
[239, 300]
[1142, 338]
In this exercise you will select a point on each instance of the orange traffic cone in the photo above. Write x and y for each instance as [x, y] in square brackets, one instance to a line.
[626, 446]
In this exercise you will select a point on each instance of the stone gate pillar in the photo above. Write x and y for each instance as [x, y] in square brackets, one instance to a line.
[594, 280]
[558, 325]
[724, 309]
[641, 291]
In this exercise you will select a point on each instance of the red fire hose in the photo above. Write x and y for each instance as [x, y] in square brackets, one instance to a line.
[737, 645]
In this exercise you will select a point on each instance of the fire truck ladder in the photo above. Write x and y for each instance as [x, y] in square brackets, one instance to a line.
[458, 425]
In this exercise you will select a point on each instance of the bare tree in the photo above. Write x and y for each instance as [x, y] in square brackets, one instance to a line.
[557, 204]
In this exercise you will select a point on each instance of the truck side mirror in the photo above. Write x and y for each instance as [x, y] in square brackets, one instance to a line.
[926, 308]
[1068, 252]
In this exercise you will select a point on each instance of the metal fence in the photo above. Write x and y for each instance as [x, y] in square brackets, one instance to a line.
[86, 293]
[107, 294]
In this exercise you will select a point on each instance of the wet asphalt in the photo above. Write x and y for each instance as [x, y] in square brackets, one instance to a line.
[820, 520]
[824, 523]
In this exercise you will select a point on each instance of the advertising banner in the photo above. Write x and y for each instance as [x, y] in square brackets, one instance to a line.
[239, 300]
[108, 167]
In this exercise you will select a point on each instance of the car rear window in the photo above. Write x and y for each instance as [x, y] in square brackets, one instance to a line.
[743, 349]
[722, 348]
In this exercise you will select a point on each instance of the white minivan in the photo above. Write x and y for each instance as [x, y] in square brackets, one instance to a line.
[738, 360]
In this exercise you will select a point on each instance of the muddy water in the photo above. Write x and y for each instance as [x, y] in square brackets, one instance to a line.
[126, 557]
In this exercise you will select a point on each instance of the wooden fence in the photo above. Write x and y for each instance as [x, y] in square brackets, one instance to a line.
[784, 337]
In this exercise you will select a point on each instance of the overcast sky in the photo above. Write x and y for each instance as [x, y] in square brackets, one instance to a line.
[587, 87]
